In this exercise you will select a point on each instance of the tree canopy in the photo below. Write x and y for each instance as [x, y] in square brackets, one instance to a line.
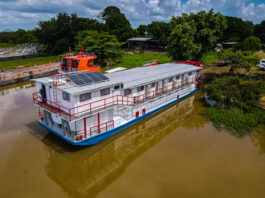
[238, 59]
[252, 43]
[159, 31]
[259, 31]
[109, 12]
[59, 32]
[141, 30]
[237, 29]
[105, 46]
[119, 26]
[194, 34]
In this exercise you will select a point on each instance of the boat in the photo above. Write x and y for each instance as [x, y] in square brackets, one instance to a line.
[85, 108]
[83, 61]
[148, 64]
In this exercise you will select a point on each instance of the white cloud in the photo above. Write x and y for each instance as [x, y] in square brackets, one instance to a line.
[26, 13]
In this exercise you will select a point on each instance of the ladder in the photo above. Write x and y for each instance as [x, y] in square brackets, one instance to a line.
[54, 87]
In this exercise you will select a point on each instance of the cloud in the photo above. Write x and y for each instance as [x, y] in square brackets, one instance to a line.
[26, 13]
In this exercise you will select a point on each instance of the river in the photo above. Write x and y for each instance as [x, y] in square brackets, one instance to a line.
[174, 153]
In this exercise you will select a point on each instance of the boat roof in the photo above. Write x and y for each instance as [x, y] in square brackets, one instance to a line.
[130, 78]
[79, 57]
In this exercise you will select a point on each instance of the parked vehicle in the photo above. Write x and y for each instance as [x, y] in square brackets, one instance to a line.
[262, 64]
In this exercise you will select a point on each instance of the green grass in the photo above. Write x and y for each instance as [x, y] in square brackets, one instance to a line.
[210, 57]
[138, 59]
[235, 120]
[13, 64]
[6, 45]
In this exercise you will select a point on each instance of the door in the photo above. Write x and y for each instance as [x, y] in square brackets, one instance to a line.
[147, 91]
[43, 93]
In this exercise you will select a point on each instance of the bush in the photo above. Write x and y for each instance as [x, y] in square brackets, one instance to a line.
[236, 120]
[233, 91]
[252, 43]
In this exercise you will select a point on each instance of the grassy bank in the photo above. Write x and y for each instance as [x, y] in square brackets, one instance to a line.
[210, 57]
[14, 64]
[236, 120]
[137, 59]
[6, 45]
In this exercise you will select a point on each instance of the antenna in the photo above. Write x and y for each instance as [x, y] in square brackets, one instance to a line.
[81, 50]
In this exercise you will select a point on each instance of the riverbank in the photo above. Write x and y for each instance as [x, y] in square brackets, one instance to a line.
[23, 63]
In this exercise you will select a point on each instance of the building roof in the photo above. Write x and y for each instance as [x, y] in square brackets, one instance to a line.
[133, 77]
[139, 39]
[115, 69]
[229, 43]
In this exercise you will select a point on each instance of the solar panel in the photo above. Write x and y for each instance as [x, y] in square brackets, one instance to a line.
[87, 78]
[73, 77]
[78, 82]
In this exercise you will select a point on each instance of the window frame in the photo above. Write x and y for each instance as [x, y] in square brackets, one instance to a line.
[140, 88]
[86, 95]
[66, 96]
[103, 93]
[129, 92]
[116, 87]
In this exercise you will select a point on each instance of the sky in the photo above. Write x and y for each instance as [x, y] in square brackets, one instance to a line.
[26, 14]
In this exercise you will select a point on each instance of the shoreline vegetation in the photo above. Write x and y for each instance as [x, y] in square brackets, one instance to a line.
[237, 98]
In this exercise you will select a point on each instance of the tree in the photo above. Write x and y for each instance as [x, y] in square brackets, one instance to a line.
[237, 29]
[18, 37]
[194, 34]
[159, 31]
[105, 46]
[238, 59]
[182, 43]
[109, 12]
[141, 30]
[252, 43]
[59, 32]
[119, 26]
[259, 31]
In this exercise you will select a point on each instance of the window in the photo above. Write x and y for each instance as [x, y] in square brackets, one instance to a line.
[84, 97]
[104, 92]
[117, 87]
[127, 92]
[66, 96]
[141, 88]
[153, 85]
[170, 79]
[177, 77]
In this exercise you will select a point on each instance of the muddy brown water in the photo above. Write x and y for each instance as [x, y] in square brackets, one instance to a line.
[174, 153]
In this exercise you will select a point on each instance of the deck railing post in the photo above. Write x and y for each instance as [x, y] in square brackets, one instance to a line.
[85, 127]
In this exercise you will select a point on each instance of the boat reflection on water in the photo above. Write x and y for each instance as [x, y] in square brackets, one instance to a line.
[87, 171]
[5, 90]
